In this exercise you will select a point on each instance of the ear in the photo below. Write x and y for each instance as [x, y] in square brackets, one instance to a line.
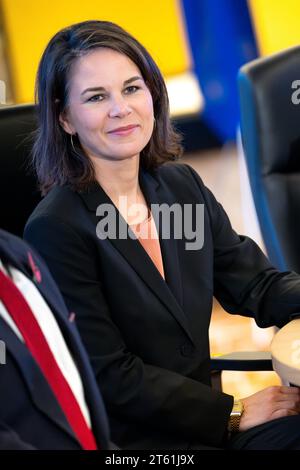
[66, 124]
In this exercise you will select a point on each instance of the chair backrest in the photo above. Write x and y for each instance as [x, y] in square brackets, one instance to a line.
[270, 127]
[18, 188]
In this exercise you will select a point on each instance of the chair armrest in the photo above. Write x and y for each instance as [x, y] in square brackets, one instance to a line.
[243, 361]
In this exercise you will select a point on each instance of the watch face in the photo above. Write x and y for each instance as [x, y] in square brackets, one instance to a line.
[237, 409]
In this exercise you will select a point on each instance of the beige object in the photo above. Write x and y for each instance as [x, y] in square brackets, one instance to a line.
[285, 351]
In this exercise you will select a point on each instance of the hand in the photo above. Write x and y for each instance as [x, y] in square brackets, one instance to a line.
[268, 404]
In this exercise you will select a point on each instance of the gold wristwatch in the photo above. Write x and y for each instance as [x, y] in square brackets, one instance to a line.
[235, 416]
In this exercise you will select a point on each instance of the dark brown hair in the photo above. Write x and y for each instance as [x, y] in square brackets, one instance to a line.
[54, 159]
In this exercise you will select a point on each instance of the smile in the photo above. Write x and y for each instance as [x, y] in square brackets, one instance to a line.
[126, 130]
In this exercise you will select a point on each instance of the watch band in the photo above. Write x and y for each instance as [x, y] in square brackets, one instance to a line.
[235, 416]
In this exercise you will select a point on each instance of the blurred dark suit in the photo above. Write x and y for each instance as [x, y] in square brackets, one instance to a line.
[30, 417]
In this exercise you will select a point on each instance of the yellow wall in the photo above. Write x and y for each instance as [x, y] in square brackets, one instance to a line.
[276, 24]
[29, 24]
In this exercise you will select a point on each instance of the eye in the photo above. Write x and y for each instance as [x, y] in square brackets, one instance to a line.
[131, 89]
[96, 98]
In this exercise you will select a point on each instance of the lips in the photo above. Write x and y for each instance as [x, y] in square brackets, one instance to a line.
[124, 130]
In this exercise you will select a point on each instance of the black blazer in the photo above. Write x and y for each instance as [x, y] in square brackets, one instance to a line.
[148, 338]
[30, 417]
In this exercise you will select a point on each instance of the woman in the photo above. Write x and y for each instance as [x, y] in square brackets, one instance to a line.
[139, 246]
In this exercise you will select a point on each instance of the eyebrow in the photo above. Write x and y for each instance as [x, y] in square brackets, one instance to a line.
[101, 88]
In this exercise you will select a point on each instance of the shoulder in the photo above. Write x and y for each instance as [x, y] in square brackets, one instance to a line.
[184, 185]
[181, 171]
[7, 240]
[55, 217]
[180, 179]
[19, 252]
[13, 249]
[59, 202]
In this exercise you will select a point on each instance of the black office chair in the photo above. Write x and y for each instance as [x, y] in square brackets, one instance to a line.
[18, 188]
[270, 128]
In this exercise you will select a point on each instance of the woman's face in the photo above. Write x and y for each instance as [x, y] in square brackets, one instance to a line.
[110, 107]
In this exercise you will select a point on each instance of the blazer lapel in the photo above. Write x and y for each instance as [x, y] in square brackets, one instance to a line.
[169, 248]
[169, 292]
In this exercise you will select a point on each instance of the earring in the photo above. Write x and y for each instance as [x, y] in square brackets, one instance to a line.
[71, 136]
[74, 150]
[154, 123]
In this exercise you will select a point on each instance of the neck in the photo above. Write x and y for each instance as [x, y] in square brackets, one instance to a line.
[118, 178]
[121, 178]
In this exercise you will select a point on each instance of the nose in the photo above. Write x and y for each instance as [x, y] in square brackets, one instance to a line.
[119, 107]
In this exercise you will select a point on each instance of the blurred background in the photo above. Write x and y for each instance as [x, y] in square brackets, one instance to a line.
[199, 46]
